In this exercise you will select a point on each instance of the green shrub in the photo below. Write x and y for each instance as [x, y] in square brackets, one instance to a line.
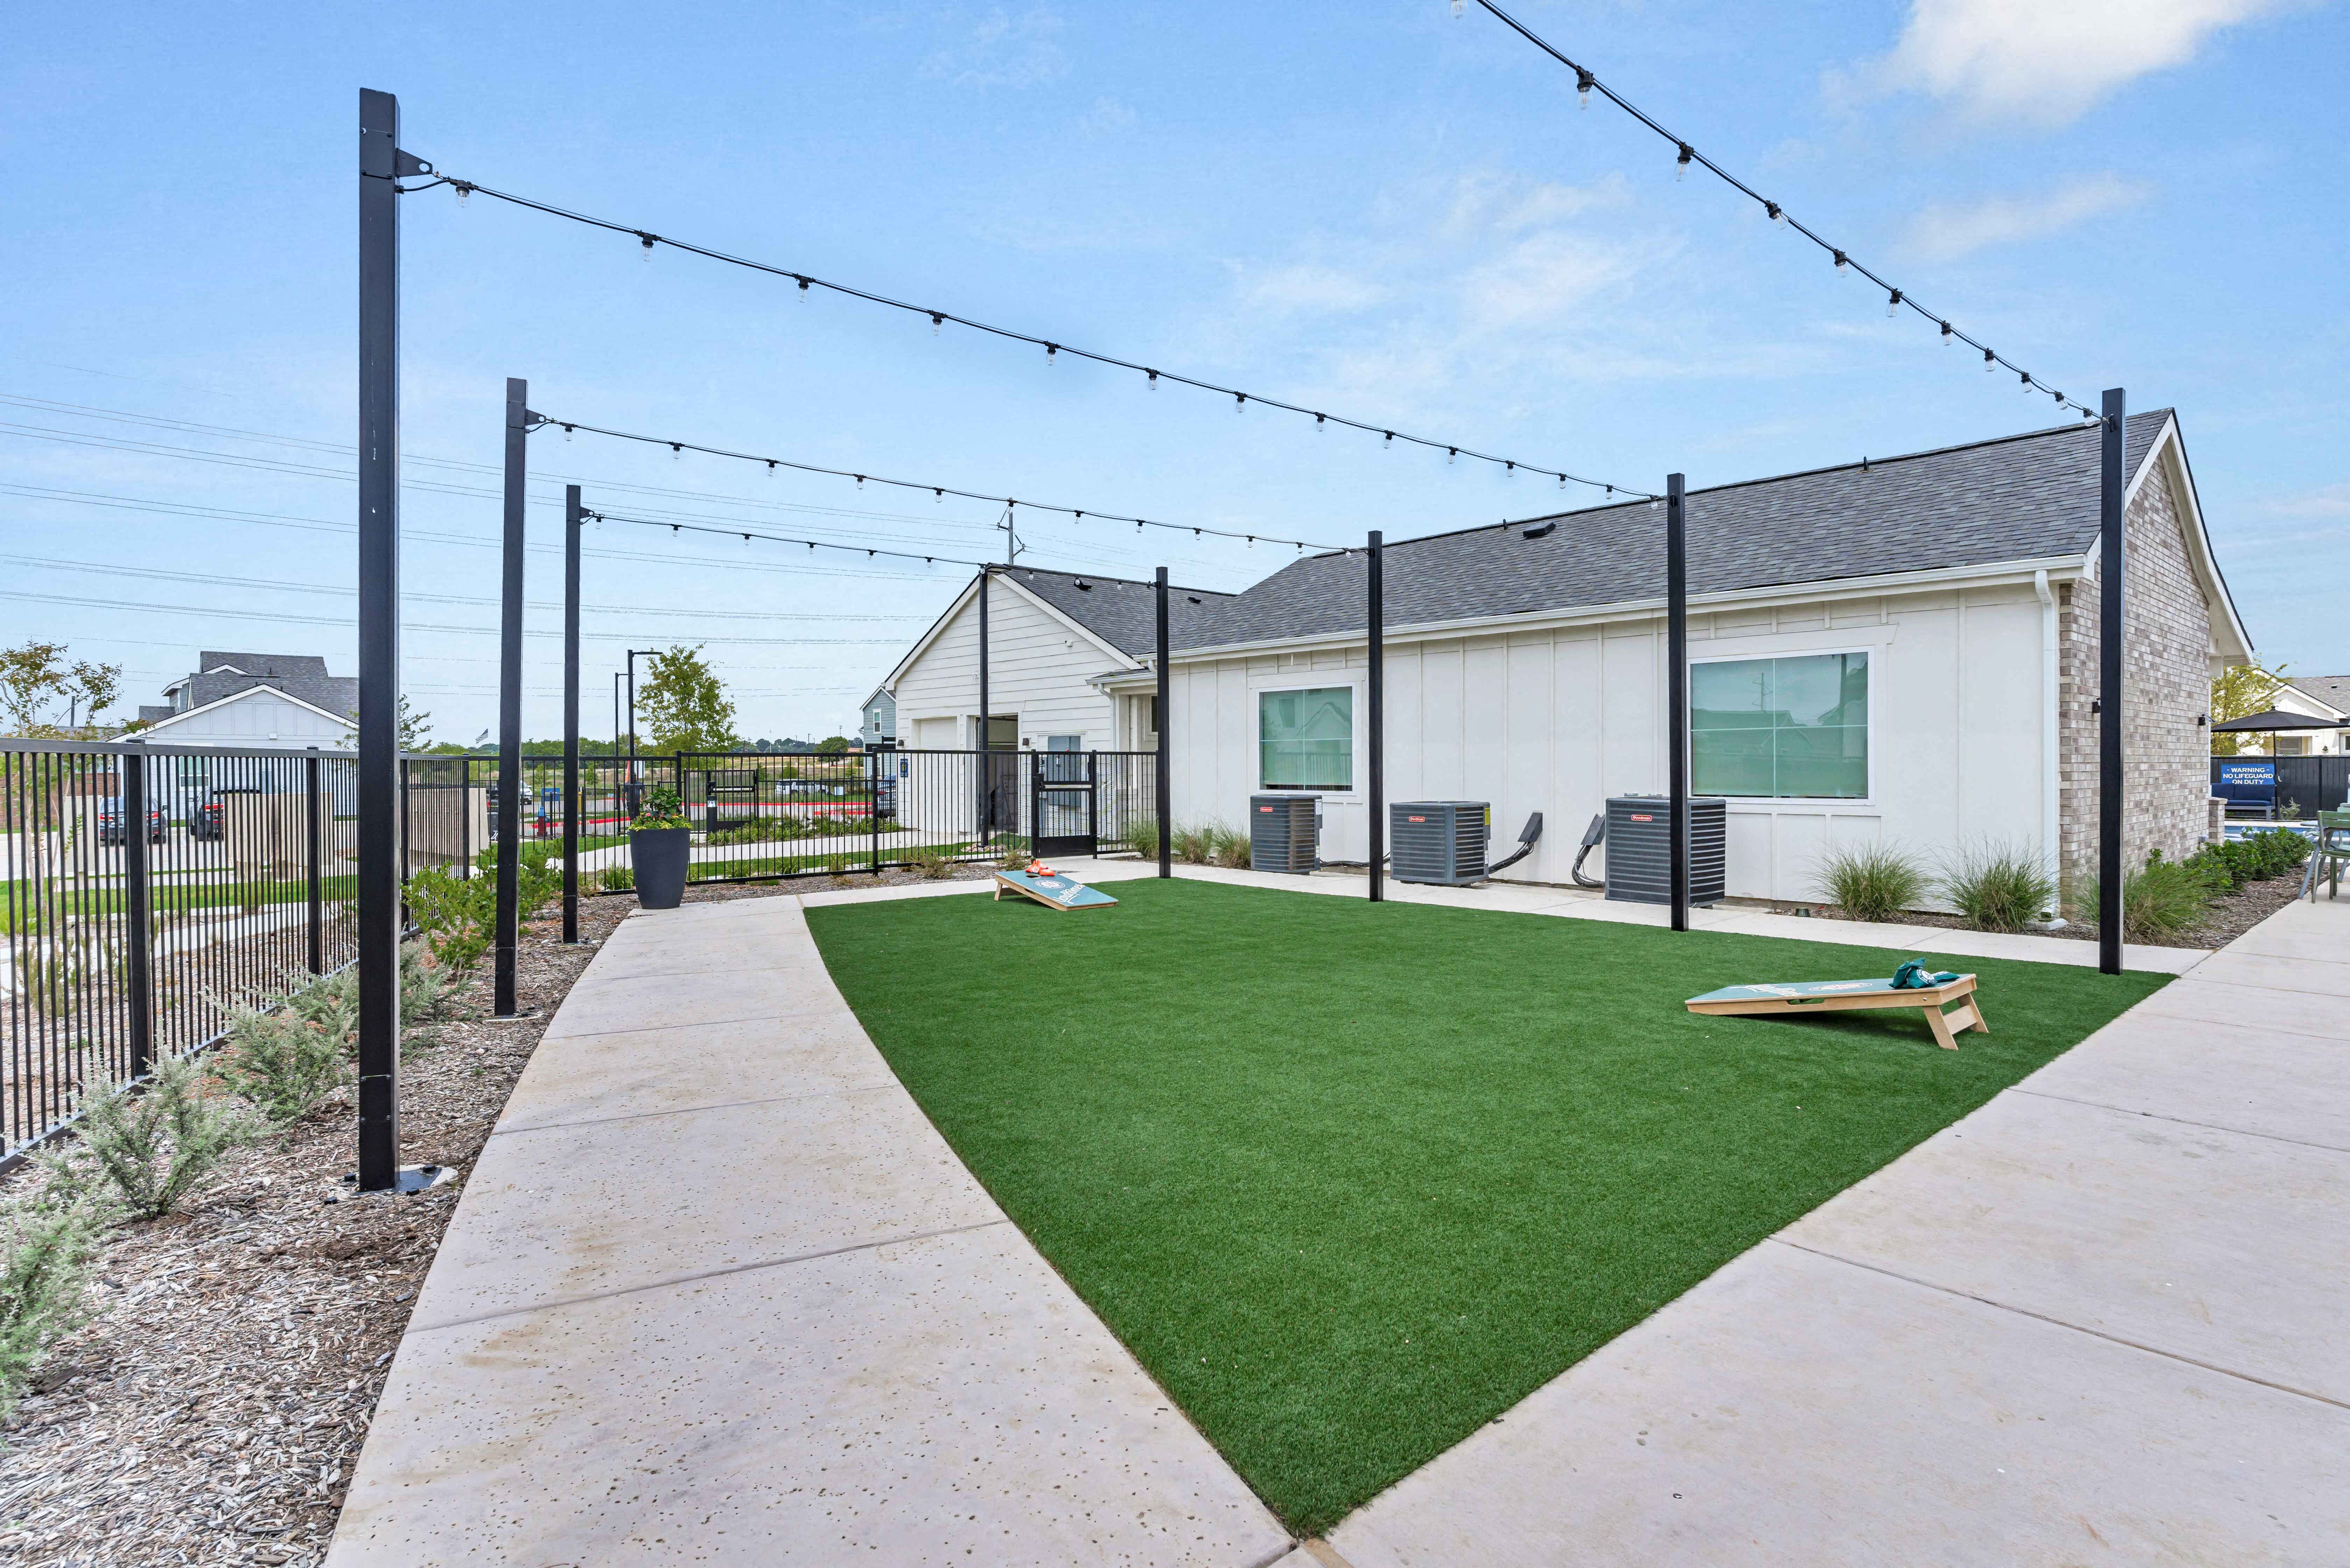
[1999, 886]
[930, 860]
[455, 914]
[426, 994]
[1228, 845]
[2274, 851]
[150, 1147]
[617, 879]
[660, 809]
[45, 1249]
[1873, 882]
[765, 830]
[1195, 845]
[2161, 901]
[285, 1062]
[1141, 836]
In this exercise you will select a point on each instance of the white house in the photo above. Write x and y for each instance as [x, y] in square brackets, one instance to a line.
[2313, 697]
[1901, 651]
[269, 700]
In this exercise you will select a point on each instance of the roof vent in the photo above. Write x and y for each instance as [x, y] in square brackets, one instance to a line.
[1193, 597]
[1537, 531]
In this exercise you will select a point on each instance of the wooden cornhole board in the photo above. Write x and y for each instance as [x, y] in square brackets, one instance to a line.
[1841, 995]
[1052, 892]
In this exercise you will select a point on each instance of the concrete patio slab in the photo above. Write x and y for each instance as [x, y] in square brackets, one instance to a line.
[2222, 1074]
[2310, 977]
[556, 1213]
[2124, 1225]
[717, 1292]
[2199, 998]
[944, 1400]
[684, 1068]
[1792, 1409]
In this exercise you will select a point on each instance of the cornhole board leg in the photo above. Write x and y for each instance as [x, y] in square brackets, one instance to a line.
[1757, 1002]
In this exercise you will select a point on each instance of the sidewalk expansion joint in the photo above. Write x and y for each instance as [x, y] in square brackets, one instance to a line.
[2272, 989]
[690, 1110]
[691, 1024]
[2060, 1323]
[2182, 1121]
[702, 1274]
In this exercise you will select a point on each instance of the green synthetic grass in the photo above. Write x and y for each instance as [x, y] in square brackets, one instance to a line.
[1352, 1179]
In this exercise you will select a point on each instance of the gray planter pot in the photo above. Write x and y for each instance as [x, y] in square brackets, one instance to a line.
[659, 856]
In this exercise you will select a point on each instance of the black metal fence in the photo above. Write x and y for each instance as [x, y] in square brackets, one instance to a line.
[150, 893]
[2307, 784]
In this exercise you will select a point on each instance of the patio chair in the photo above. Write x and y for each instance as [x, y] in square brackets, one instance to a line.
[2332, 852]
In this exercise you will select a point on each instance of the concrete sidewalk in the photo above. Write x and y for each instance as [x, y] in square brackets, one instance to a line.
[2101, 1320]
[718, 1292]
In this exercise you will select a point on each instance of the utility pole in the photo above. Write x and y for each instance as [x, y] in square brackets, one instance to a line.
[572, 514]
[510, 784]
[2110, 523]
[1677, 690]
[380, 165]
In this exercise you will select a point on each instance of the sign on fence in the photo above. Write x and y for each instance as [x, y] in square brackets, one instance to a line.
[2260, 773]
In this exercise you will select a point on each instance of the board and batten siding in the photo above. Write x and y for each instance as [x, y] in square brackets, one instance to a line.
[1039, 670]
[1557, 720]
[256, 716]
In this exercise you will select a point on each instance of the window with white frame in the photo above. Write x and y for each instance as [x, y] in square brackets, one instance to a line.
[1305, 740]
[1791, 728]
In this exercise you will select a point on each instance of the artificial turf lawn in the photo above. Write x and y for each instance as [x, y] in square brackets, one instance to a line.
[1351, 1179]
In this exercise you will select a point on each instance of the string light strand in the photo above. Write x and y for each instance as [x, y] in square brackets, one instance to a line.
[936, 491]
[1587, 83]
[1055, 349]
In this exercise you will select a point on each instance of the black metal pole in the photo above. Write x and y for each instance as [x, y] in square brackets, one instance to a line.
[1159, 718]
[510, 698]
[1677, 690]
[872, 801]
[2109, 687]
[986, 726]
[312, 856]
[379, 633]
[571, 515]
[137, 889]
[1376, 600]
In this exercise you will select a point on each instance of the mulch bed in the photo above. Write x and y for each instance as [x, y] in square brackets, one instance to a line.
[2230, 918]
[212, 1409]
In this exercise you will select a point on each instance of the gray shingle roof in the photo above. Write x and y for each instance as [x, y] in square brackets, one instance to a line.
[1118, 611]
[298, 675]
[2017, 498]
[2334, 691]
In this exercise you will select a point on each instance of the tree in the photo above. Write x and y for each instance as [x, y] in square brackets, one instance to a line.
[833, 745]
[685, 705]
[412, 730]
[2245, 689]
[37, 687]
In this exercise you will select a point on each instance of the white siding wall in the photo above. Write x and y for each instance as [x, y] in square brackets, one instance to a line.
[257, 718]
[1038, 670]
[1556, 722]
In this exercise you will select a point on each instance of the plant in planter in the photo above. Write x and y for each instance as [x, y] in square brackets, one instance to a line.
[659, 845]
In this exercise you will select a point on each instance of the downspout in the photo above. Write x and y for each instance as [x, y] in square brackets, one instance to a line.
[2052, 831]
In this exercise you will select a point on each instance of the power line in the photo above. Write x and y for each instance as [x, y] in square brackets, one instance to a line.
[1587, 83]
[940, 491]
[1053, 349]
[108, 569]
[420, 625]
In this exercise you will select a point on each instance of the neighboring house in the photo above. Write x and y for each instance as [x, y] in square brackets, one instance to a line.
[274, 701]
[1053, 638]
[877, 723]
[2315, 696]
[1901, 651]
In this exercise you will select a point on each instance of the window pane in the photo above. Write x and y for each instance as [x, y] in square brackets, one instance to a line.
[1305, 740]
[1781, 728]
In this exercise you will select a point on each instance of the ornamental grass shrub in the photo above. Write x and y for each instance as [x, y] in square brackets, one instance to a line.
[150, 1146]
[1194, 845]
[1872, 882]
[1141, 836]
[617, 879]
[932, 861]
[1228, 845]
[1999, 886]
[46, 1242]
[2161, 901]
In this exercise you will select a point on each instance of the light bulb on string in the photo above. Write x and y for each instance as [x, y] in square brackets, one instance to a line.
[771, 468]
[1317, 424]
[675, 452]
[646, 250]
[1777, 213]
[1240, 401]
[804, 288]
[1451, 454]
[1387, 443]
[1152, 384]
[2023, 379]
[1892, 303]
[936, 322]
[1990, 361]
[464, 191]
[567, 434]
[1843, 264]
[1051, 352]
[1582, 85]
[1681, 165]
[1949, 337]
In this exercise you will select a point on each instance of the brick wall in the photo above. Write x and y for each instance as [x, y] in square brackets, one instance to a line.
[2166, 676]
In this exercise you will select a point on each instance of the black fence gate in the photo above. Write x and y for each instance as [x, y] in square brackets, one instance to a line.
[2305, 785]
[1063, 807]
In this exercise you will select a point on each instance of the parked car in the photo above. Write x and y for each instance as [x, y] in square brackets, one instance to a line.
[205, 822]
[110, 826]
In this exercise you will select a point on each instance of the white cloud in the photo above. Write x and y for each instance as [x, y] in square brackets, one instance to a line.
[1106, 117]
[1308, 286]
[1546, 278]
[2048, 60]
[1946, 233]
[1004, 50]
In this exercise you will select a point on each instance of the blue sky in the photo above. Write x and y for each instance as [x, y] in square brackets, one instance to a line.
[1373, 208]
